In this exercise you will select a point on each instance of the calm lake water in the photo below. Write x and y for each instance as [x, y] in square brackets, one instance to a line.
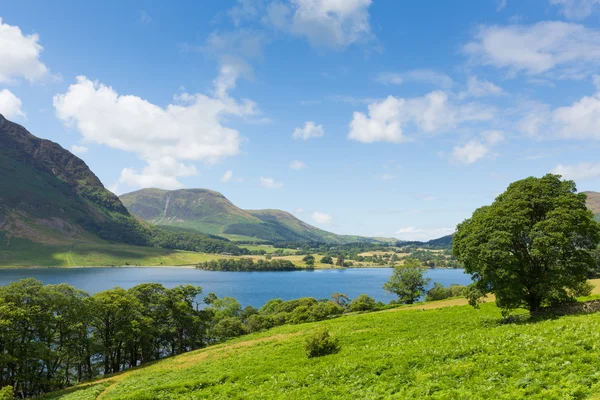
[249, 288]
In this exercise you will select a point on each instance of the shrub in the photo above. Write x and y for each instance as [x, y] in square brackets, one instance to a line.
[6, 393]
[440, 292]
[321, 343]
[363, 303]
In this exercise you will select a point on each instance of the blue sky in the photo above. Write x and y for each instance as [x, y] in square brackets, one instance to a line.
[368, 117]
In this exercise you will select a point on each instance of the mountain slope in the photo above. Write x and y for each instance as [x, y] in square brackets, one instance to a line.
[593, 203]
[210, 212]
[49, 195]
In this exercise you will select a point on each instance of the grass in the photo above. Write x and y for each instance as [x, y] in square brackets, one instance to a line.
[24, 253]
[444, 353]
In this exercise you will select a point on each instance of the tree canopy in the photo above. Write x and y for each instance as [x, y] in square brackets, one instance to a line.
[408, 281]
[531, 246]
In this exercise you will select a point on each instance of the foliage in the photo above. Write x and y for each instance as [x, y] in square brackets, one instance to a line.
[6, 393]
[321, 343]
[407, 281]
[363, 303]
[447, 353]
[327, 260]
[531, 246]
[248, 264]
[440, 292]
[309, 260]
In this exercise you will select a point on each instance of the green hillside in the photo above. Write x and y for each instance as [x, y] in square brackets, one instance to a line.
[447, 353]
[49, 195]
[210, 212]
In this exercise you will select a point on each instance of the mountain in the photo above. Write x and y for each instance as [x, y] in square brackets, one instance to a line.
[593, 203]
[210, 212]
[49, 195]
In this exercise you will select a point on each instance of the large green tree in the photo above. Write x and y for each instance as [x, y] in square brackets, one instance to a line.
[531, 247]
[408, 281]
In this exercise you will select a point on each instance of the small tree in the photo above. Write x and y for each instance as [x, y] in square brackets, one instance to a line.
[327, 260]
[321, 343]
[340, 299]
[309, 260]
[407, 281]
[531, 247]
[363, 303]
[340, 261]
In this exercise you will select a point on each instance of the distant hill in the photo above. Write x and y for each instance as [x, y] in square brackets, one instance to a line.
[210, 212]
[49, 195]
[593, 203]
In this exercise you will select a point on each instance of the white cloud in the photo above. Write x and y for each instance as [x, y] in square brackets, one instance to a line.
[500, 5]
[470, 152]
[475, 150]
[297, 165]
[421, 234]
[580, 120]
[388, 119]
[324, 23]
[192, 129]
[480, 88]
[387, 177]
[582, 171]
[299, 210]
[270, 183]
[10, 105]
[77, 149]
[417, 75]
[310, 130]
[160, 173]
[576, 9]
[227, 176]
[561, 49]
[493, 137]
[321, 218]
[20, 55]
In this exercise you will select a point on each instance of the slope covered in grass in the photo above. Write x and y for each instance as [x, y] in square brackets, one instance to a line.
[447, 353]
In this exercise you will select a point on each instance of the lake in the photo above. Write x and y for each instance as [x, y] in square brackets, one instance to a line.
[249, 288]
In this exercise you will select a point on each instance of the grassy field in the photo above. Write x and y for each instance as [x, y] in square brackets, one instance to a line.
[23, 253]
[411, 352]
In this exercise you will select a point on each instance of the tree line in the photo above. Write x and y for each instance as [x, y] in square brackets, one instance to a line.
[248, 264]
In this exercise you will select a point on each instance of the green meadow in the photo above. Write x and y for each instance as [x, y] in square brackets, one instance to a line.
[406, 353]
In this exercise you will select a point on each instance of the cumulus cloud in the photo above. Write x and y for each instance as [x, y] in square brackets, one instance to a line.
[576, 9]
[580, 120]
[582, 171]
[270, 183]
[77, 149]
[480, 88]
[417, 75]
[10, 105]
[411, 233]
[321, 218]
[500, 5]
[162, 173]
[324, 23]
[475, 150]
[299, 210]
[387, 177]
[297, 165]
[309, 130]
[561, 49]
[191, 129]
[389, 119]
[20, 55]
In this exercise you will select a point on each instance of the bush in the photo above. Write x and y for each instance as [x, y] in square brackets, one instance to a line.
[6, 393]
[321, 343]
[440, 292]
[363, 303]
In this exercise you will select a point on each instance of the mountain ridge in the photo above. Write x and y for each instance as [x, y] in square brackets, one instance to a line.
[210, 212]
